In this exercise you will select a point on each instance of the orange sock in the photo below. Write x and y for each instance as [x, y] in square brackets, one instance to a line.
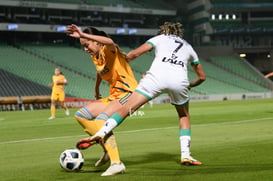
[92, 126]
[53, 110]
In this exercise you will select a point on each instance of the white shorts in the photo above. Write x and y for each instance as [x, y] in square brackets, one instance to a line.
[151, 87]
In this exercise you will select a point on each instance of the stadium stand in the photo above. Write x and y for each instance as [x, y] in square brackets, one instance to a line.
[225, 74]
[73, 58]
[77, 60]
[40, 70]
[241, 68]
[13, 85]
[238, 28]
[221, 81]
[244, 21]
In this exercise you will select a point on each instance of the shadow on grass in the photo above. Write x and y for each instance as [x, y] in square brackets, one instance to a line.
[169, 164]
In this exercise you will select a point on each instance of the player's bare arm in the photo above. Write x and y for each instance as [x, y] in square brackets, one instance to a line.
[62, 83]
[76, 32]
[201, 76]
[138, 51]
[51, 84]
[268, 75]
[97, 87]
[58, 82]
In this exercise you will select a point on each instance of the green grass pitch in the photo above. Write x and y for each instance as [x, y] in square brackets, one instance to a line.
[233, 139]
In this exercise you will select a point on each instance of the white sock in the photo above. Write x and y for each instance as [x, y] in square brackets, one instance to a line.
[108, 126]
[185, 146]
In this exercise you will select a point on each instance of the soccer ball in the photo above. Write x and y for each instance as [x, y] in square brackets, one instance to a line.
[71, 159]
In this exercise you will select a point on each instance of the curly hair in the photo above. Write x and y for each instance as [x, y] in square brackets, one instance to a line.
[169, 28]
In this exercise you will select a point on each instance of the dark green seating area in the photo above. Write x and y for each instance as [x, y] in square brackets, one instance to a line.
[241, 68]
[224, 76]
[39, 70]
[36, 62]
[12, 85]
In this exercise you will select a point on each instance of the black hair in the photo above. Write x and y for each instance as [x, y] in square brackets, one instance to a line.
[94, 31]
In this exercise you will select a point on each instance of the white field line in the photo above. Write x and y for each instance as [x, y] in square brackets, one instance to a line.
[136, 131]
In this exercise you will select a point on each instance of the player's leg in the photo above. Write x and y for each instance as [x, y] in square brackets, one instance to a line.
[146, 90]
[185, 135]
[86, 116]
[110, 143]
[116, 107]
[54, 98]
[62, 104]
[127, 105]
[52, 109]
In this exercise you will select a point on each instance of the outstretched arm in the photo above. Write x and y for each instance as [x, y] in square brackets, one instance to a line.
[268, 75]
[76, 32]
[138, 51]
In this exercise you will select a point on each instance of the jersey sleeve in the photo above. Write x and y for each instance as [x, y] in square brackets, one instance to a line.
[193, 56]
[153, 41]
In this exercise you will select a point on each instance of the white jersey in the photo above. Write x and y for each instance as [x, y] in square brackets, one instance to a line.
[168, 72]
[172, 55]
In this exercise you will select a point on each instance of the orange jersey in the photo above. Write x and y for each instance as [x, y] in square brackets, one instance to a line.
[114, 68]
[58, 79]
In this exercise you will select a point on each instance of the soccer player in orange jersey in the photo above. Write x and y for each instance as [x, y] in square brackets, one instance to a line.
[58, 94]
[111, 66]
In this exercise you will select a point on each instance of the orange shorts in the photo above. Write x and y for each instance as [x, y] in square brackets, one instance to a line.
[116, 95]
[59, 96]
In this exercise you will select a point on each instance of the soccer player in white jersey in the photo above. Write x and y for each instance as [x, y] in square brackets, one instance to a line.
[167, 74]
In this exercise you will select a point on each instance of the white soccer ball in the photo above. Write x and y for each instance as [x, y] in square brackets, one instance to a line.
[71, 159]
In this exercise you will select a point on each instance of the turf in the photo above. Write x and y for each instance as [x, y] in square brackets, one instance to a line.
[233, 139]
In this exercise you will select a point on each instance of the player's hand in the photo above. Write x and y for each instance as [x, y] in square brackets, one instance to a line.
[76, 32]
[58, 82]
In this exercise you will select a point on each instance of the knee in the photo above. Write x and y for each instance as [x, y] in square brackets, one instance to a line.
[83, 113]
[77, 114]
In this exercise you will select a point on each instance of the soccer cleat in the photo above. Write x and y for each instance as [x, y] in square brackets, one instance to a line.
[87, 142]
[190, 161]
[67, 112]
[103, 160]
[51, 118]
[114, 169]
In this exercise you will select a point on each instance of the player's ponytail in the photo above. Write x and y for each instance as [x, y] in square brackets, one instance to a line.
[121, 52]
